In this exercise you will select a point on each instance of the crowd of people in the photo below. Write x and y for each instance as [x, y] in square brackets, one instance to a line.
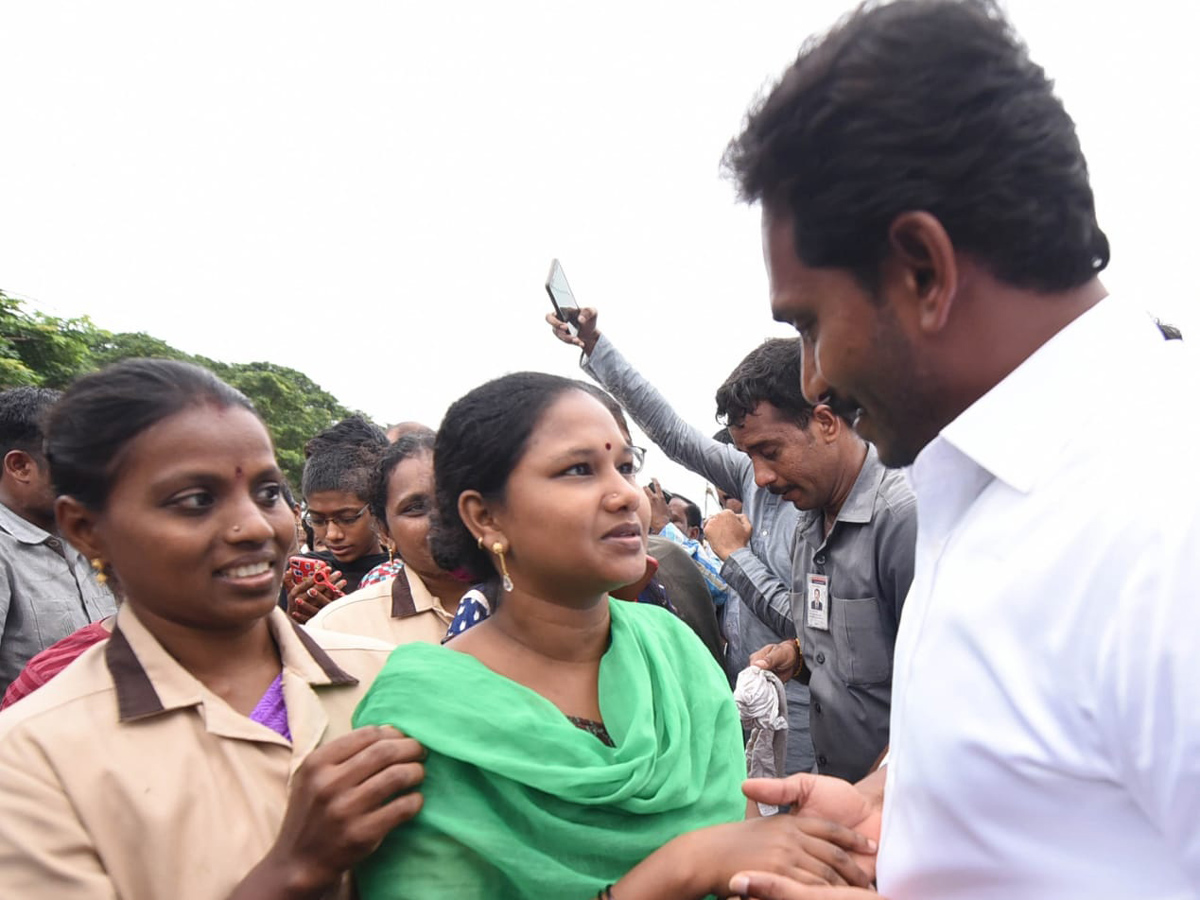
[488, 661]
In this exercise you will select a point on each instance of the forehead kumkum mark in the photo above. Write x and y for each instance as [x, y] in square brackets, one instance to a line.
[608, 446]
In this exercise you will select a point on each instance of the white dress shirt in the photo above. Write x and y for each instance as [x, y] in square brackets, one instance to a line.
[1046, 713]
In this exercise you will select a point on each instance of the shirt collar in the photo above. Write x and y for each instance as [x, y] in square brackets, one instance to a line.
[22, 529]
[148, 681]
[1017, 429]
[859, 506]
[409, 595]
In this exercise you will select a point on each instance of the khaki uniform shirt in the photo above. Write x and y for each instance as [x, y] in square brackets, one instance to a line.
[125, 777]
[397, 611]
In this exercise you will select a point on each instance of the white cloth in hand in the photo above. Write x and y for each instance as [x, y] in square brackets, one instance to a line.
[762, 704]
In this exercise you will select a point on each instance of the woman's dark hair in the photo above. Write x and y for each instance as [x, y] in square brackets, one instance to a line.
[929, 105]
[88, 430]
[770, 373]
[415, 443]
[480, 442]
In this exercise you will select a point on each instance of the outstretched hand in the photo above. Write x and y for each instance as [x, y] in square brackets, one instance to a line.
[823, 797]
[585, 324]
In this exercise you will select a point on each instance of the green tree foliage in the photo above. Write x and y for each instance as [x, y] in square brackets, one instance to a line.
[43, 350]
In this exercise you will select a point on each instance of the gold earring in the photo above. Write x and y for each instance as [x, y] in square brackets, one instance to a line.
[98, 566]
[391, 554]
[481, 542]
[498, 549]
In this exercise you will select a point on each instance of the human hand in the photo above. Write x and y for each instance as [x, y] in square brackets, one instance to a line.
[824, 797]
[769, 886]
[585, 325]
[307, 597]
[806, 850]
[345, 798]
[660, 513]
[781, 659]
[728, 531]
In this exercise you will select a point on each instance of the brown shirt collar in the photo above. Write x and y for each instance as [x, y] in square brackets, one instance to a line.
[148, 681]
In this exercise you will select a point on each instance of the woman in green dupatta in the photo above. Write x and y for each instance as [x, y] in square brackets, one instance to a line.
[570, 736]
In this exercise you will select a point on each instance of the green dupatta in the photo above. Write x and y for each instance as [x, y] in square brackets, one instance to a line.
[520, 804]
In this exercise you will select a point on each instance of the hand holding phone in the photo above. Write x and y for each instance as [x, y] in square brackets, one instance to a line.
[313, 585]
[566, 307]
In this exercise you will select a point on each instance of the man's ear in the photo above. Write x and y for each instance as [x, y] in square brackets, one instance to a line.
[922, 268]
[20, 465]
[77, 524]
[826, 425]
[478, 515]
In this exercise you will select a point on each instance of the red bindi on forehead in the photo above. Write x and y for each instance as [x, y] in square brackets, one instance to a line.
[607, 446]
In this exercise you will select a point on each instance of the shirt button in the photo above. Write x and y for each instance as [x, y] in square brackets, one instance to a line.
[817, 707]
[53, 543]
[821, 659]
[821, 760]
[819, 559]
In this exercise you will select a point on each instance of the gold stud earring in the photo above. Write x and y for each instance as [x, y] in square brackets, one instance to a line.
[498, 549]
[98, 565]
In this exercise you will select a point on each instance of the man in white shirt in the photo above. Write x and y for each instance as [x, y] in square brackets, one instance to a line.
[929, 229]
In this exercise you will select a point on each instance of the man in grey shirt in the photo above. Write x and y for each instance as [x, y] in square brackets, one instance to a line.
[47, 589]
[759, 572]
[853, 560]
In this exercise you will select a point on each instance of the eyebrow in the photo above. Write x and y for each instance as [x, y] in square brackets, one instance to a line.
[179, 480]
[341, 510]
[587, 451]
[412, 495]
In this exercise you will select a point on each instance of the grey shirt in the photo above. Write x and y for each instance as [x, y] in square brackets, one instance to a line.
[47, 592]
[868, 558]
[759, 574]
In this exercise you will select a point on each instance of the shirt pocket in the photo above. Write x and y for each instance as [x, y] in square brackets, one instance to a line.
[863, 643]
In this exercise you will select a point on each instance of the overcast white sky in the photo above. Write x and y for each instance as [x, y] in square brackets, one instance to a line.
[371, 192]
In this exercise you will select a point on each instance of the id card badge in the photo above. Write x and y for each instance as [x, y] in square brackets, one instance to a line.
[816, 602]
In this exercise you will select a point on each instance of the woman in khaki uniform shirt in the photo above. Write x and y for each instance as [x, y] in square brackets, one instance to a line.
[204, 750]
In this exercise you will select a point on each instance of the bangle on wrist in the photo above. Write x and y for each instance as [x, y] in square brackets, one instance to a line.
[799, 659]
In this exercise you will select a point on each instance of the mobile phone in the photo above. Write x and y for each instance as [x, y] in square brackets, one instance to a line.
[306, 567]
[566, 307]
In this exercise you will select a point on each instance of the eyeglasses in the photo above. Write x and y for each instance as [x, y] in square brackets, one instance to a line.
[316, 520]
[639, 458]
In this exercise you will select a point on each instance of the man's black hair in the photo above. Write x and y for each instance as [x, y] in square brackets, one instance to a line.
[341, 467]
[771, 374]
[22, 411]
[929, 105]
[353, 431]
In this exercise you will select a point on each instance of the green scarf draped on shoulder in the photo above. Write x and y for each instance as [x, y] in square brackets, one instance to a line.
[520, 804]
